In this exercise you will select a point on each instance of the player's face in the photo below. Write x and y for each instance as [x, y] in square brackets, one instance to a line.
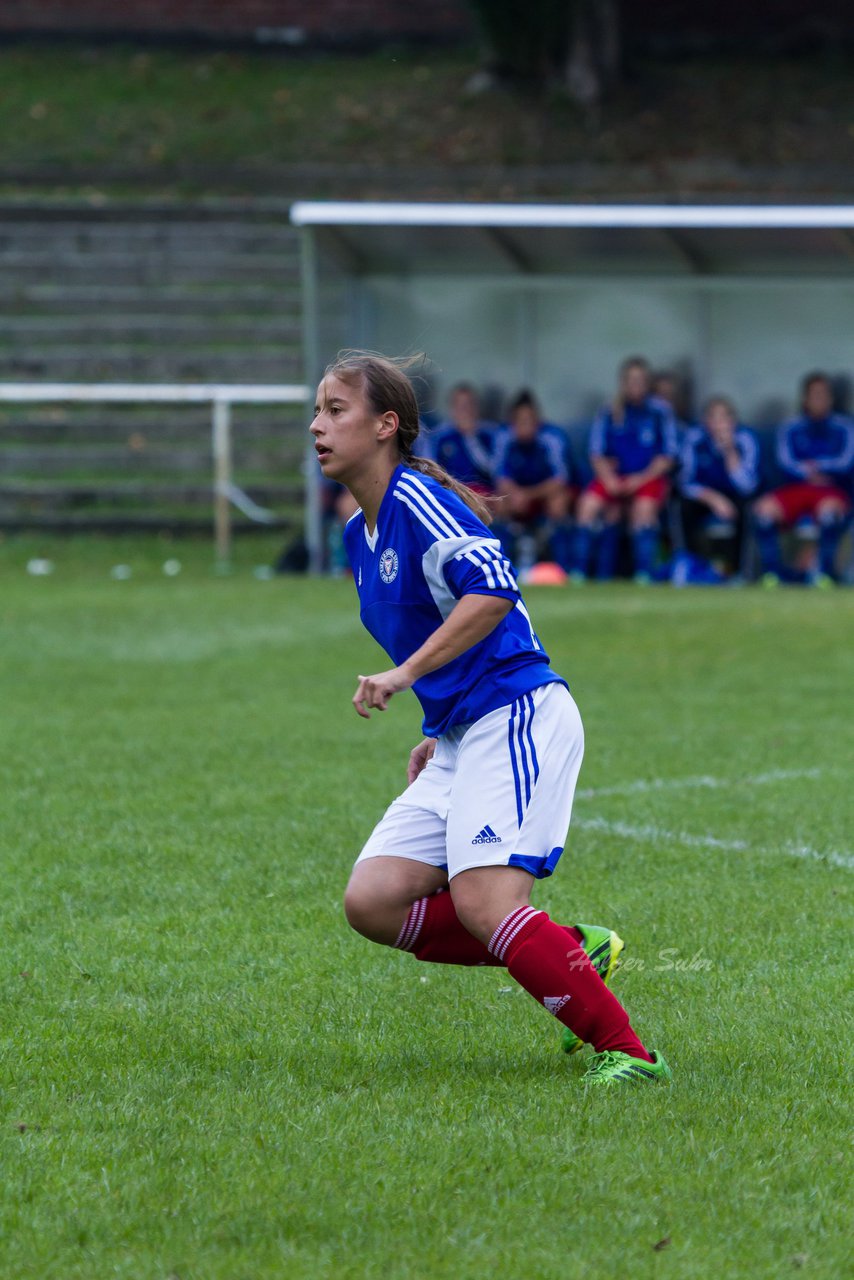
[346, 431]
[464, 410]
[525, 424]
[721, 425]
[818, 400]
[635, 384]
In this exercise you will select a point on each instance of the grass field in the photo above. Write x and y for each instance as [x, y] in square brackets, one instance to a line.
[197, 120]
[205, 1076]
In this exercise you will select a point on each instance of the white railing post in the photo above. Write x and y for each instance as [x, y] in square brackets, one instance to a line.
[220, 395]
[222, 480]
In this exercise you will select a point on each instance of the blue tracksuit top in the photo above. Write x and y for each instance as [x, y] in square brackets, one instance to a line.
[827, 442]
[648, 430]
[468, 458]
[704, 467]
[427, 551]
[531, 462]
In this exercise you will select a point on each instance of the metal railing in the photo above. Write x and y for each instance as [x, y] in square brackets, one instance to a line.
[220, 396]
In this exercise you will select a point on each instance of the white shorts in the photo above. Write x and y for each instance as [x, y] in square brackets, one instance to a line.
[497, 793]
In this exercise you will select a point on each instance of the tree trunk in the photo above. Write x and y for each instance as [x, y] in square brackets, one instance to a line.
[593, 61]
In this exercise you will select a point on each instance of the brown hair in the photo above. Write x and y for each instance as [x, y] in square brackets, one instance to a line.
[388, 388]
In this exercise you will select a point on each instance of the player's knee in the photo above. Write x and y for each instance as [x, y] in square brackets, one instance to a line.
[472, 915]
[644, 515]
[766, 511]
[831, 511]
[557, 507]
[478, 912]
[362, 912]
[588, 509]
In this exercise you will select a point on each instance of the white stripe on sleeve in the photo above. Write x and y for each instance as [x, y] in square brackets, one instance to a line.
[420, 515]
[432, 502]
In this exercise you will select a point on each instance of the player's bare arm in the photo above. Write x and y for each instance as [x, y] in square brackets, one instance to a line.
[659, 466]
[471, 620]
[605, 469]
[723, 507]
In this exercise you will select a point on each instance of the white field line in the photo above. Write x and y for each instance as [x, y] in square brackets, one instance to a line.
[663, 835]
[703, 781]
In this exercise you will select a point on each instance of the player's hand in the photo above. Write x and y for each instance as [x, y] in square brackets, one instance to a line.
[723, 508]
[419, 757]
[375, 691]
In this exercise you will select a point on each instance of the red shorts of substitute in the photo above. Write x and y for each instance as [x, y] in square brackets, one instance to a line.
[536, 509]
[656, 490]
[800, 500]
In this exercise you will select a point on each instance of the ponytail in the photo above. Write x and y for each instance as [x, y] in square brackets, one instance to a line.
[438, 473]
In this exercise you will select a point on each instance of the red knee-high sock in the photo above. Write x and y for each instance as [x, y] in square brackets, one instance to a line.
[555, 970]
[432, 931]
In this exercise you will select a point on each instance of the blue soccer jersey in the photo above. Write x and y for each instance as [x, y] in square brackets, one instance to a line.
[468, 458]
[647, 431]
[827, 443]
[704, 466]
[531, 462]
[427, 551]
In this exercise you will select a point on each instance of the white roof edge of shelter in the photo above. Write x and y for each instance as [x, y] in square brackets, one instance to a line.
[355, 213]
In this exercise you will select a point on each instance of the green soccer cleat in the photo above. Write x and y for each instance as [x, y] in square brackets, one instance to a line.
[603, 948]
[618, 1068]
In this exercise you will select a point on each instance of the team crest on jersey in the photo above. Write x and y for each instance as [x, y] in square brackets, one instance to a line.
[389, 565]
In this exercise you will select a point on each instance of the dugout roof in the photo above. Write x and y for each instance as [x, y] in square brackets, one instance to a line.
[593, 240]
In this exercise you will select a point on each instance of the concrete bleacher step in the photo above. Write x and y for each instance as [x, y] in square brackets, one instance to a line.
[140, 268]
[18, 332]
[46, 297]
[61, 460]
[151, 368]
[80, 237]
[172, 293]
[135, 426]
[178, 522]
[59, 496]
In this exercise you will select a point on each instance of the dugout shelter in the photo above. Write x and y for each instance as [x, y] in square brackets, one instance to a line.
[737, 299]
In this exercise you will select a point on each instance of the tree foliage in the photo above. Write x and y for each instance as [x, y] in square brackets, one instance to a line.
[527, 39]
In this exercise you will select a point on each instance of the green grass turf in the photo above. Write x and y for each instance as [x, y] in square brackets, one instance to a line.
[155, 115]
[206, 1076]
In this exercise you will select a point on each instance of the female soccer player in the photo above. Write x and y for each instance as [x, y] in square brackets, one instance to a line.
[491, 785]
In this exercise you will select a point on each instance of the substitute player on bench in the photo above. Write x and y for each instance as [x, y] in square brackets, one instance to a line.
[633, 448]
[816, 455]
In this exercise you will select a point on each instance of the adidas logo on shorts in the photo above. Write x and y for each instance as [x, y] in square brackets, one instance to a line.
[486, 836]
